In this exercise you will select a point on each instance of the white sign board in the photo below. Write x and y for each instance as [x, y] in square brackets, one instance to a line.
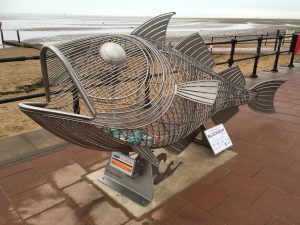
[218, 138]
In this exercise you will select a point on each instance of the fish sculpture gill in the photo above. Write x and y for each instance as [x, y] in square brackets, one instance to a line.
[135, 93]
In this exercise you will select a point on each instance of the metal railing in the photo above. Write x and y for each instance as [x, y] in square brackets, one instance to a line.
[278, 40]
[266, 36]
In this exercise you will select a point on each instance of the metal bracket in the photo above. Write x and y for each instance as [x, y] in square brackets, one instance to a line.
[139, 189]
[203, 140]
[159, 177]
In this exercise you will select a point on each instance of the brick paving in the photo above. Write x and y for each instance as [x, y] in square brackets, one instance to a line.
[261, 185]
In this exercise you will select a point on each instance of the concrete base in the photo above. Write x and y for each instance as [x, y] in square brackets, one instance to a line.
[196, 160]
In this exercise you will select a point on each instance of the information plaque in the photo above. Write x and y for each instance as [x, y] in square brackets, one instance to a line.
[218, 138]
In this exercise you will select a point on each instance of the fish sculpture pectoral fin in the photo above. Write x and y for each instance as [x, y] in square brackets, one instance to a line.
[225, 114]
[264, 92]
[147, 154]
[201, 91]
[234, 75]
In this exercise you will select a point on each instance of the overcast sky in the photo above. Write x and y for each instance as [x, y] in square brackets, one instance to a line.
[183, 8]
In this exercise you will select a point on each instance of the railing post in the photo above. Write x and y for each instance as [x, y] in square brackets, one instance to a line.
[76, 106]
[276, 40]
[18, 35]
[292, 50]
[257, 55]
[284, 34]
[231, 60]
[2, 38]
[277, 54]
[266, 39]
[212, 40]
[291, 65]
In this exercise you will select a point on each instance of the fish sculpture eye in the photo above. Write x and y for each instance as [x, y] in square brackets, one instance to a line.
[112, 53]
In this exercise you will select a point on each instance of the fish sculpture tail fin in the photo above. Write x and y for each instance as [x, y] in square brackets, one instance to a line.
[262, 96]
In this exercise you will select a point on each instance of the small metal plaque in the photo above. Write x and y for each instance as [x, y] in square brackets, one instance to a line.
[123, 163]
[218, 138]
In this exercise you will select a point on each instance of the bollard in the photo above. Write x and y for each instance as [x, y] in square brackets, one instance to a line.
[212, 40]
[277, 54]
[266, 39]
[257, 55]
[231, 60]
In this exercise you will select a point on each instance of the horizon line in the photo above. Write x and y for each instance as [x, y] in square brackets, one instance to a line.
[137, 16]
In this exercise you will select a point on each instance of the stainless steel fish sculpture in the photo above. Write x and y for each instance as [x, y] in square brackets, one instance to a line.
[135, 93]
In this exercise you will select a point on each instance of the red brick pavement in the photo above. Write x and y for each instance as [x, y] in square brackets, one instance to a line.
[261, 185]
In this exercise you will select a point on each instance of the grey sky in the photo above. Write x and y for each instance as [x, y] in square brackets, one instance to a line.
[184, 8]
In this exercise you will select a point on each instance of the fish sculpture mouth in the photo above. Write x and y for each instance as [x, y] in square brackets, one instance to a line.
[129, 94]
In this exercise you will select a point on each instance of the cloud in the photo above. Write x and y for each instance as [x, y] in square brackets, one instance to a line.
[186, 8]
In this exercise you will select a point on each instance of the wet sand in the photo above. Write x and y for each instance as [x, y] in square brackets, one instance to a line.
[19, 77]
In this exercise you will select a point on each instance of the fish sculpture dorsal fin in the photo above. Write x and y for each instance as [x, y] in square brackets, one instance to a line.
[194, 46]
[155, 28]
[234, 75]
[200, 91]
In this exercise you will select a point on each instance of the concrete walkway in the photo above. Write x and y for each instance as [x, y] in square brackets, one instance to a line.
[261, 185]
[28, 145]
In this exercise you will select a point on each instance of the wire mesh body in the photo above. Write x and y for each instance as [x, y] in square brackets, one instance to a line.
[134, 103]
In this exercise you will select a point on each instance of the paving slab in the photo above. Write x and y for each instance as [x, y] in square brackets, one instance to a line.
[237, 212]
[21, 182]
[196, 160]
[10, 218]
[41, 139]
[51, 162]
[59, 214]
[27, 145]
[12, 148]
[36, 200]
[67, 175]
[104, 213]
[83, 193]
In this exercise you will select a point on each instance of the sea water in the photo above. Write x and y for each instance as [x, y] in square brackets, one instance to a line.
[43, 28]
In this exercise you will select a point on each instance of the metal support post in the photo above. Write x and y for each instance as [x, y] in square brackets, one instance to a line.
[276, 40]
[277, 55]
[292, 50]
[257, 55]
[18, 35]
[231, 58]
